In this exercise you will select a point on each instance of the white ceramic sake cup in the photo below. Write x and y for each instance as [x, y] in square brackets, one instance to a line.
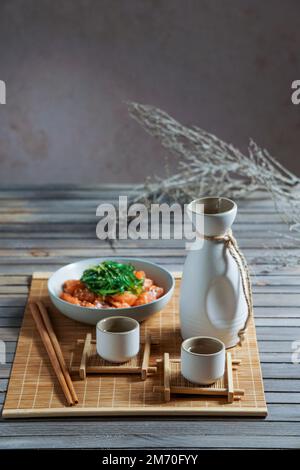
[118, 338]
[202, 359]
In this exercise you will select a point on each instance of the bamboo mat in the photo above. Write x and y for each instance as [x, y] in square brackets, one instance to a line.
[35, 392]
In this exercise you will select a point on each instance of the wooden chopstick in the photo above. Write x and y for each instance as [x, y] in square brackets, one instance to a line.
[57, 349]
[50, 350]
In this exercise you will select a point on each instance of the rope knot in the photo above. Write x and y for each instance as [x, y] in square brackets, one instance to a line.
[232, 245]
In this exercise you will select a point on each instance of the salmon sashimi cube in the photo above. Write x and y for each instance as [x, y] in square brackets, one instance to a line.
[158, 291]
[147, 283]
[69, 298]
[70, 286]
[145, 298]
[123, 298]
[140, 274]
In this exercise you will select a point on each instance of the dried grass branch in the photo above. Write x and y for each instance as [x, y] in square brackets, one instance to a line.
[206, 165]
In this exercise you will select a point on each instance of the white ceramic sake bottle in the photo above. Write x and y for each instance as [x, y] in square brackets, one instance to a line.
[212, 301]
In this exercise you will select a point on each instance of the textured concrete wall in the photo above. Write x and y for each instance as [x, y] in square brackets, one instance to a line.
[69, 65]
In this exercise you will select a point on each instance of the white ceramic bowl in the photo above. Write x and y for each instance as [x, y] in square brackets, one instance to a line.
[160, 276]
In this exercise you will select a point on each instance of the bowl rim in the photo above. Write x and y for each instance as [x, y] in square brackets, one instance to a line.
[123, 309]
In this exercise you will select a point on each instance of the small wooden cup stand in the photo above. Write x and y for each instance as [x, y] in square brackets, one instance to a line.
[137, 365]
[175, 383]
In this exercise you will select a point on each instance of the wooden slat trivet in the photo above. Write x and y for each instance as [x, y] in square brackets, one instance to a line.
[91, 363]
[175, 384]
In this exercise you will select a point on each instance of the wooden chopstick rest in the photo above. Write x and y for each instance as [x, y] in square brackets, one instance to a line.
[57, 349]
[174, 383]
[51, 352]
[104, 367]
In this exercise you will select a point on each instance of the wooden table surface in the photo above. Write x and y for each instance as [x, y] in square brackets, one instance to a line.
[43, 228]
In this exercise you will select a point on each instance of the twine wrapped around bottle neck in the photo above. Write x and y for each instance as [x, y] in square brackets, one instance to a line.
[232, 245]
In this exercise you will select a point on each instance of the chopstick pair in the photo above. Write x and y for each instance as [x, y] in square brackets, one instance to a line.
[48, 336]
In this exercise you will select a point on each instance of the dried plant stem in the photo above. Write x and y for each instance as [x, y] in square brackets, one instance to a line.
[206, 165]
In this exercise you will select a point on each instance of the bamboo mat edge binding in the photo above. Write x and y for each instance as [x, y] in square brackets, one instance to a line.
[258, 411]
[180, 411]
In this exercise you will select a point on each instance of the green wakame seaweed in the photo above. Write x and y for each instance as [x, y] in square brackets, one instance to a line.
[110, 277]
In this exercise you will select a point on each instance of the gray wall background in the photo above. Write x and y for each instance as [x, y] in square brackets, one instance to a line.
[226, 66]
